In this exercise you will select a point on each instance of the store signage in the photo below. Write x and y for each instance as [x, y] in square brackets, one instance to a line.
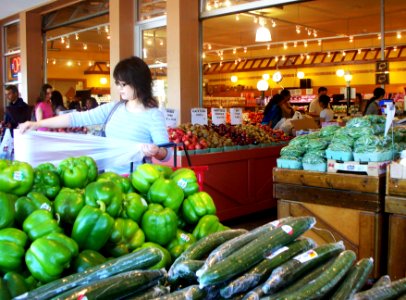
[199, 116]
[171, 117]
[236, 116]
[218, 116]
[15, 66]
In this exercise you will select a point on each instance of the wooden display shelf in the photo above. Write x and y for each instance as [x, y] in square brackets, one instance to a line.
[361, 231]
[240, 182]
[347, 207]
[341, 190]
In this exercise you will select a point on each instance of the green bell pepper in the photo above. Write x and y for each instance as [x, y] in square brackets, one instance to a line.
[46, 182]
[134, 206]
[4, 292]
[123, 182]
[49, 255]
[143, 177]
[40, 223]
[92, 227]
[164, 170]
[125, 237]
[26, 205]
[207, 225]
[15, 177]
[68, 204]
[180, 243]
[196, 206]
[16, 284]
[77, 172]
[46, 167]
[166, 192]
[186, 179]
[159, 224]
[107, 192]
[7, 214]
[12, 244]
[87, 259]
[166, 259]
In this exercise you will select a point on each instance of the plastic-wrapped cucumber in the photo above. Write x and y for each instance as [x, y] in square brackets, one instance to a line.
[115, 287]
[354, 280]
[201, 248]
[192, 292]
[153, 292]
[299, 265]
[382, 281]
[186, 270]
[321, 285]
[236, 243]
[261, 271]
[392, 291]
[252, 253]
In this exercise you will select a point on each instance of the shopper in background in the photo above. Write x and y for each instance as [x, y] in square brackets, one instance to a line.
[359, 102]
[287, 109]
[17, 111]
[43, 108]
[91, 103]
[327, 114]
[273, 111]
[315, 107]
[57, 102]
[135, 118]
[372, 107]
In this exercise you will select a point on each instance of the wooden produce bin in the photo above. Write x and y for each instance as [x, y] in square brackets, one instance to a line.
[395, 207]
[240, 182]
[347, 207]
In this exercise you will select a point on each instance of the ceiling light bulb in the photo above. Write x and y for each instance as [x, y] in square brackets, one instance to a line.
[307, 56]
[76, 36]
[283, 57]
[216, 4]
[309, 32]
[268, 47]
[351, 38]
[295, 44]
[245, 49]
[235, 62]
[262, 85]
[399, 35]
[237, 17]
[276, 58]
[161, 43]
[314, 32]
[234, 79]
[227, 3]
[359, 51]
[209, 46]
[305, 44]
[255, 20]
[84, 46]
[395, 48]
[347, 77]
[298, 29]
[69, 63]
[234, 51]
[379, 36]
[204, 55]
[265, 76]
[285, 46]
[340, 72]
[300, 75]
[208, 7]
[343, 53]
[62, 40]
[273, 23]
[106, 29]
[54, 62]
[209, 65]
[319, 42]
[328, 54]
[301, 55]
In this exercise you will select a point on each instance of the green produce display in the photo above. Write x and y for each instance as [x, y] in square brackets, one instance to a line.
[123, 182]
[68, 204]
[87, 259]
[46, 181]
[186, 179]
[25, 205]
[12, 244]
[134, 206]
[125, 236]
[40, 223]
[108, 193]
[16, 177]
[166, 192]
[77, 172]
[8, 213]
[207, 225]
[165, 261]
[196, 206]
[143, 177]
[180, 243]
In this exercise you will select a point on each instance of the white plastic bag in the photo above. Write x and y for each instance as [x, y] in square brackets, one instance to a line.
[36, 147]
[7, 145]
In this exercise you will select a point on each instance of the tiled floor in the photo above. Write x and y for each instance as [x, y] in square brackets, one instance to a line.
[252, 221]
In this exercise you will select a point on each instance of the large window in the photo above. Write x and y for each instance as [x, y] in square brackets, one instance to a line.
[11, 55]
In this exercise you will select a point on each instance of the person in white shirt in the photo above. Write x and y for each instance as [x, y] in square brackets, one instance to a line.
[315, 107]
[327, 114]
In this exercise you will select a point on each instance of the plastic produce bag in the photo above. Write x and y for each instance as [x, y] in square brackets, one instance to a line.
[376, 119]
[317, 144]
[311, 158]
[358, 132]
[6, 145]
[299, 141]
[36, 147]
[329, 130]
[292, 151]
[321, 153]
[340, 147]
[343, 139]
[358, 123]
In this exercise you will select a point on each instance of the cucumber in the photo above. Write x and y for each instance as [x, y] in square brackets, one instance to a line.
[301, 282]
[321, 285]
[236, 243]
[253, 252]
[382, 281]
[392, 291]
[299, 265]
[186, 270]
[141, 259]
[115, 287]
[153, 292]
[354, 280]
[201, 248]
[261, 271]
[192, 292]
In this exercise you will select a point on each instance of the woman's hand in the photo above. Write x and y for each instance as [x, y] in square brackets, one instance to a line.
[27, 126]
[152, 150]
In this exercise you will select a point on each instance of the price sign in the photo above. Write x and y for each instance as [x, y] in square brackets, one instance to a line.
[236, 116]
[171, 117]
[218, 116]
[199, 116]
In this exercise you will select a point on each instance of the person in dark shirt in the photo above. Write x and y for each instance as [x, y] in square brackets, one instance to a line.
[17, 111]
[273, 112]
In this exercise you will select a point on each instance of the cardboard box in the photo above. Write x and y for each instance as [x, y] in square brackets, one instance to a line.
[305, 123]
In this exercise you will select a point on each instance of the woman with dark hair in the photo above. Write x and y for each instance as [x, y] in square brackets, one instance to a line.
[43, 108]
[57, 102]
[372, 107]
[91, 103]
[135, 117]
[273, 111]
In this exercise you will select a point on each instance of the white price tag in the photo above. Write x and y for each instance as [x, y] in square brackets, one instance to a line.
[236, 116]
[144, 202]
[45, 206]
[288, 229]
[185, 237]
[308, 255]
[218, 115]
[18, 175]
[199, 116]
[182, 183]
[279, 251]
[171, 117]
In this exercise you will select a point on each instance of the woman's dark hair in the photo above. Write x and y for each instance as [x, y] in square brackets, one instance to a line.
[322, 89]
[285, 93]
[135, 72]
[43, 92]
[93, 102]
[378, 92]
[324, 99]
[275, 100]
[56, 99]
